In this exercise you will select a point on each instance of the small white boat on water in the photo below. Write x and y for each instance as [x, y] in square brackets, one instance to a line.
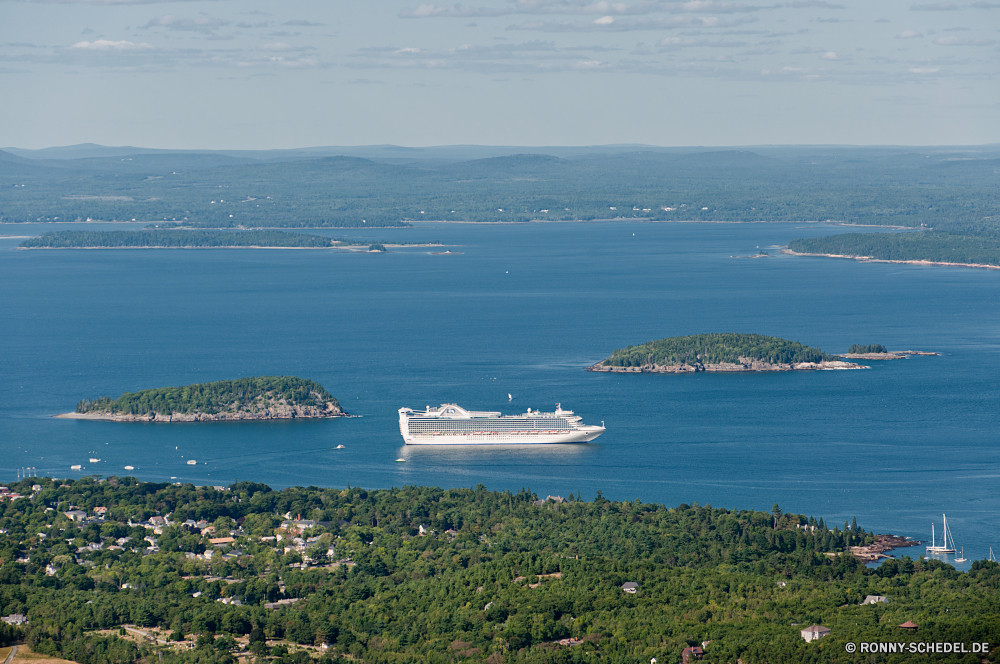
[76, 467]
[192, 462]
[944, 548]
[400, 460]
[961, 556]
[129, 467]
[340, 447]
[95, 461]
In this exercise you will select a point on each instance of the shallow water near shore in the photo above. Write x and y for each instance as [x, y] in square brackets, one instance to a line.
[522, 310]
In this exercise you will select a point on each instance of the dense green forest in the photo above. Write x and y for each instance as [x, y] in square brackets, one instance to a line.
[939, 247]
[417, 575]
[861, 349]
[868, 187]
[713, 349]
[214, 397]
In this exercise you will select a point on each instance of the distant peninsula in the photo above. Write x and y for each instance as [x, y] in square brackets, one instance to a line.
[921, 248]
[173, 238]
[256, 398]
[721, 352]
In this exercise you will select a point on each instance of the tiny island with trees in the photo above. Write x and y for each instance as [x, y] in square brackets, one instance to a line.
[255, 398]
[721, 352]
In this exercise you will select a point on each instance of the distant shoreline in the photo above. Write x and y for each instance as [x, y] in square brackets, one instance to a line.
[868, 259]
[360, 249]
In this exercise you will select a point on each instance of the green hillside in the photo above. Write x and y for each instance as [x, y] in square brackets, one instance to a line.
[491, 578]
[219, 191]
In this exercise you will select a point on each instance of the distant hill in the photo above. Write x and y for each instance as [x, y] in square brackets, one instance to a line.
[313, 188]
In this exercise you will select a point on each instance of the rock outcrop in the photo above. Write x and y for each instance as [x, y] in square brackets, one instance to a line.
[744, 364]
[267, 410]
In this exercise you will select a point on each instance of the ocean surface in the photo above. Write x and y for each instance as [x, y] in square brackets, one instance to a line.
[521, 310]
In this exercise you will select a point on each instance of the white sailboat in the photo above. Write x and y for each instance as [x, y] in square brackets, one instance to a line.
[961, 556]
[944, 548]
[992, 557]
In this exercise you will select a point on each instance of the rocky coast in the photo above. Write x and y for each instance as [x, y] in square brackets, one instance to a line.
[744, 364]
[890, 355]
[274, 411]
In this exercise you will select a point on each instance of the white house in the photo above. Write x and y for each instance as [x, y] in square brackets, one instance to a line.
[875, 599]
[815, 632]
[630, 587]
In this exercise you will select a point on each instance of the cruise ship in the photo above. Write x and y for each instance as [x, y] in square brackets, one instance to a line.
[453, 425]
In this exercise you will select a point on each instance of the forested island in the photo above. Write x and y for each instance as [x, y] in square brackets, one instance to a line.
[256, 398]
[168, 238]
[979, 249]
[725, 352]
[181, 574]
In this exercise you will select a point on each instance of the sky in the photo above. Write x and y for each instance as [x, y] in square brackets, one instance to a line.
[260, 74]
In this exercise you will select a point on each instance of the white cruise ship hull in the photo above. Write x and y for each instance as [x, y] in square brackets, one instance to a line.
[506, 439]
[453, 425]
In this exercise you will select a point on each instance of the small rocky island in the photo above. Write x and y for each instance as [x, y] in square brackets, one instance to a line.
[722, 352]
[256, 398]
[878, 352]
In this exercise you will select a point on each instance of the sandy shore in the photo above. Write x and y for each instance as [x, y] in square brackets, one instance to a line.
[869, 259]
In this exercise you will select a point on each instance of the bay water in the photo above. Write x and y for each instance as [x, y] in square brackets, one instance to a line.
[521, 310]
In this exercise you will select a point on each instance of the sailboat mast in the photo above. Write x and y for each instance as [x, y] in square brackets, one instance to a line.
[945, 520]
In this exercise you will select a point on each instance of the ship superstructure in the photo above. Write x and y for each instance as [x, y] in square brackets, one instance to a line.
[451, 424]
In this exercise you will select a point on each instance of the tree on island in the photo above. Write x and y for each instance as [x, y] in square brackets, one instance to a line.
[858, 349]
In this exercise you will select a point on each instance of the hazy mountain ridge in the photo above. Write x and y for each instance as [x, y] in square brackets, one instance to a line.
[217, 189]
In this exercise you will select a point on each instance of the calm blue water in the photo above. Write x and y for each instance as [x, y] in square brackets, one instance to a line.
[522, 311]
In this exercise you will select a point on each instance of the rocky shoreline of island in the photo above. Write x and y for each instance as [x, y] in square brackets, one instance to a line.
[744, 364]
[888, 355]
[278, 411]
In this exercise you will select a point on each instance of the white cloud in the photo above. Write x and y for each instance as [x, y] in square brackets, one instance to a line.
[829, 55]
[924, 70]
[203, 24]
[605, 20]
[106, 45]
[953, 40]
[679, 42]
[631, 24]
[428, 10]
[104, 2]
[908, 34]
[936, 7]
[583, 7]
[814, 4]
